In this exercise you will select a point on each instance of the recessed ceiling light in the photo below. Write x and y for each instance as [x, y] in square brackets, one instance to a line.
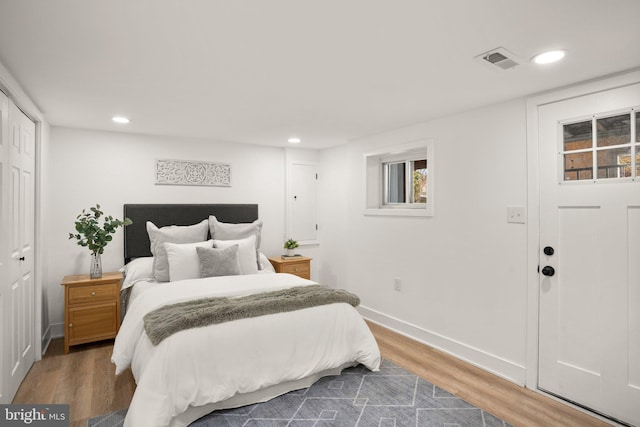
[294, 140]
[120, 119]
[549, 56]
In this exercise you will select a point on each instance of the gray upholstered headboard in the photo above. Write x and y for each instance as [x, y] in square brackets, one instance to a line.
[136, 239]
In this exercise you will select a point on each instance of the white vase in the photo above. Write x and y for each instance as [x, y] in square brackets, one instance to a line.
[291, 252]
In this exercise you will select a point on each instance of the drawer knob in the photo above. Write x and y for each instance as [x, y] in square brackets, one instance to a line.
[93, 294]
[71, 325]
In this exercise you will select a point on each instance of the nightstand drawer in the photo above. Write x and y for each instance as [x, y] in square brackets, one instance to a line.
[302, 269]
[93, 293]
[299, 265]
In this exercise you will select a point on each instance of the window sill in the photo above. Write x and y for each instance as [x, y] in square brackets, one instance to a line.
[308, 242]
[396, 212]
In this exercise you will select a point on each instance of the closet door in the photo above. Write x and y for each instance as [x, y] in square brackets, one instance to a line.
[303, 222]
[18, 293]
[4, 249]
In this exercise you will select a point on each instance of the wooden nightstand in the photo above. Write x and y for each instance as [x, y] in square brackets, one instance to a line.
[299, 265]
[91, 308]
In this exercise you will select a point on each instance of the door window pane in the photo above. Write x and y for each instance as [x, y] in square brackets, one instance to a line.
[637, 114]
[615, 163]
[614, 130]
[578, 136]
[578, 166]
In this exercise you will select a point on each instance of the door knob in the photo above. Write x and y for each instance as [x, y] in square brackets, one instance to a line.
[548, 271]
[548, 250]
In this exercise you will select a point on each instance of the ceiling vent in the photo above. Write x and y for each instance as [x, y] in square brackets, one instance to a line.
[499, 58]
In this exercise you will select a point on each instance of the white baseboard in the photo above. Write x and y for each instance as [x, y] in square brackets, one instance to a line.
[55, 330]
[489, 362]
[46, 340]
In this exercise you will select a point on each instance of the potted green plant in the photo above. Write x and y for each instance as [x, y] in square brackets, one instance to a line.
[92, 234]
[290, 245]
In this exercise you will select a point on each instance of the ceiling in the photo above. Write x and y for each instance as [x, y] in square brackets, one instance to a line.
[326, 71]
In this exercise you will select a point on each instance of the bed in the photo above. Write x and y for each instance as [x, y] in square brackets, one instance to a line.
[227, 364]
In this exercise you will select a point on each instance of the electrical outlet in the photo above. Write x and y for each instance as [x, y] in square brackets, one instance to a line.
[515, 214]
[397, 284]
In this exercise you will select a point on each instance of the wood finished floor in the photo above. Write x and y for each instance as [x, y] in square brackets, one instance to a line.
[85, 380]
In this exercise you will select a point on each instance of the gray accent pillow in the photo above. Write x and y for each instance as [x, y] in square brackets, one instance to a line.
[172, 234]
[219, 262]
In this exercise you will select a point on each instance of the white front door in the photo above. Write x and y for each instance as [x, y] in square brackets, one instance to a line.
[589, 319]
[17, 291]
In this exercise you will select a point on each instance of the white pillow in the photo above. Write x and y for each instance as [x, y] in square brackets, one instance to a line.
[183, 259]
[265, 265]
[137, 269]
[229, 231]
[172, 234]
[246, 250]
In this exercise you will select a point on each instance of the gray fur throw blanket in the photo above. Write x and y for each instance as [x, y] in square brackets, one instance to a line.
[169, 319]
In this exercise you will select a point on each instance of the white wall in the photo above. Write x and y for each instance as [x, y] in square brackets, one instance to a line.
[43, 192]
[463, 270]
[89, 167]
[333, 202]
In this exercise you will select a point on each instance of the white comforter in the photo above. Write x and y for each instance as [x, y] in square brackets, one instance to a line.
[214, 363]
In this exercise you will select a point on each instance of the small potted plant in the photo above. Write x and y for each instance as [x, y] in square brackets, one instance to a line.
[95, 236]
[290, 245]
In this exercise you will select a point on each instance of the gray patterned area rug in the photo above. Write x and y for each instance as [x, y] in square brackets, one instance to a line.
[392, 397]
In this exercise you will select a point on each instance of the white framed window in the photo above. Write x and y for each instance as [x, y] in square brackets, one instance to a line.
[400, 180]
[405, 182]
[600, 148]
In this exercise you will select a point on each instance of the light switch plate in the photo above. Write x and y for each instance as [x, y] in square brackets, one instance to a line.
[516, 214]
